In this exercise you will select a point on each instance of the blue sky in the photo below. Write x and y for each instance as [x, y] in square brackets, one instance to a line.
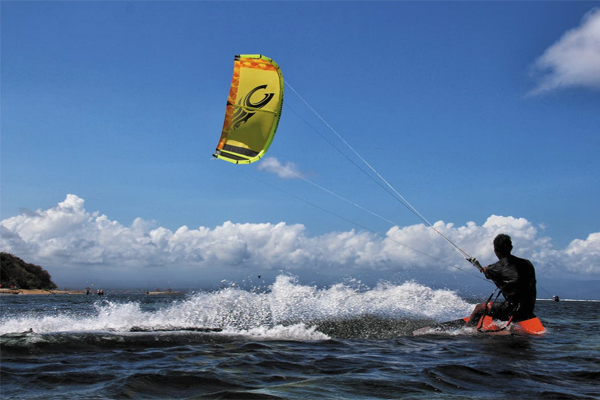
[484, 115]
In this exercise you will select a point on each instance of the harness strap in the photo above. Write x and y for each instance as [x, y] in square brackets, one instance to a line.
[487, 309]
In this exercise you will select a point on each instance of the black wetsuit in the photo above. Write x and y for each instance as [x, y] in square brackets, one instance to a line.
[516, 279]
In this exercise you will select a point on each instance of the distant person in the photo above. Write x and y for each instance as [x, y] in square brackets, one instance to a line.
[515, 277]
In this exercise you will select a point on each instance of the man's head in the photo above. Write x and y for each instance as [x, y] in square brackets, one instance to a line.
[502, 245]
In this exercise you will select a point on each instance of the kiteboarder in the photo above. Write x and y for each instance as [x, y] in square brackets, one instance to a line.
[515, 277]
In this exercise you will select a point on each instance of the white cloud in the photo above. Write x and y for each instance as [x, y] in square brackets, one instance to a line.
[584, 255]
[69, 238]
[289, 170]
[573, 61]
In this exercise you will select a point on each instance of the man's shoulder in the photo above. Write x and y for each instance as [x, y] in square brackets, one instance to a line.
[519, 260]
[497, 266]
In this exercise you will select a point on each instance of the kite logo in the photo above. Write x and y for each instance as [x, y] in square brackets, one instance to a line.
[247, 108]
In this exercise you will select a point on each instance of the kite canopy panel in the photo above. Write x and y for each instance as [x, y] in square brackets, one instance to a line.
[253, 109]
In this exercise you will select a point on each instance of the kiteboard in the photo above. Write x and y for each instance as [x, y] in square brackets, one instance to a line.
[532, 326]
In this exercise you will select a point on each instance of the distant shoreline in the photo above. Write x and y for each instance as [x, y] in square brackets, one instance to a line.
[41, 292]
[48, 292]
[561, 300]
[38, 291]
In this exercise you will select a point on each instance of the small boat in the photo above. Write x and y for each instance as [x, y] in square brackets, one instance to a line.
[159, 293]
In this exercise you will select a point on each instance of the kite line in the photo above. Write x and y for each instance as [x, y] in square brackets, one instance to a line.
[390, 189]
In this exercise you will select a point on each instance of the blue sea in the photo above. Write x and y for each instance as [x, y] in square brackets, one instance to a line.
[288, 341]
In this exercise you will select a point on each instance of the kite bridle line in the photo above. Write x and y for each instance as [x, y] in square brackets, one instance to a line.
[389, 189]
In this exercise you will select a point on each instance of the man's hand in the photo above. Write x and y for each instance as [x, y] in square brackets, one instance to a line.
[475, 263]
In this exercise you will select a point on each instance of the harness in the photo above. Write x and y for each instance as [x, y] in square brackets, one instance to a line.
[487, 312]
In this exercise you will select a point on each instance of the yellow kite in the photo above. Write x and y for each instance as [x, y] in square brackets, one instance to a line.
[253, 109]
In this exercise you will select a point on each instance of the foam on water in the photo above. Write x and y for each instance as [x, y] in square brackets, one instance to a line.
[288, 310]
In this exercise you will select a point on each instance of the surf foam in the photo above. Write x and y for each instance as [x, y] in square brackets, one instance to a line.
[287, 310]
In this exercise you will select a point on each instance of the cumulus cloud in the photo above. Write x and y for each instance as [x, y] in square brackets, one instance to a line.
[71, 238]
[289, 170]
[585, 254]
[573, 61]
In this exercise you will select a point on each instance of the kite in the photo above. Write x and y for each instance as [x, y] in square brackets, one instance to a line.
[253, 109]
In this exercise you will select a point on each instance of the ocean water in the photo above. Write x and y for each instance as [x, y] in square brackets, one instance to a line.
[288, 341]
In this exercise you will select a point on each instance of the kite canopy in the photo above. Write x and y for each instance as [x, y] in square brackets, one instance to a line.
[253, 109]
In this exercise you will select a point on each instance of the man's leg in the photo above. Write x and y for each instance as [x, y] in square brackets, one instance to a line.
[477, 314]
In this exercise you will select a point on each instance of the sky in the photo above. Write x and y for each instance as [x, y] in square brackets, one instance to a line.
[484, 116]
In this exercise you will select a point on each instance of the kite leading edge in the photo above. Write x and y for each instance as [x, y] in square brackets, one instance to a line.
[253, 109]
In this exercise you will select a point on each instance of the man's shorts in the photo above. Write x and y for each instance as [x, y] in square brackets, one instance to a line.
[500, 310]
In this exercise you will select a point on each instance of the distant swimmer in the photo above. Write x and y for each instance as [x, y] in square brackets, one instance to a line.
[515, 277]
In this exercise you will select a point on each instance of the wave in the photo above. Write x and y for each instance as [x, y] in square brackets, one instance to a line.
[286, 310]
